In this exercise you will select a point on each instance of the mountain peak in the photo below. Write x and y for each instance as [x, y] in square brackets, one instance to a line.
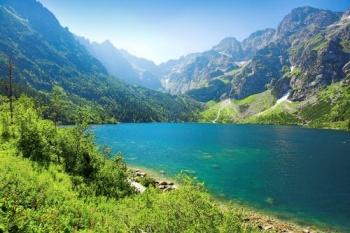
[107, 42]
[303, 17]
[346, 15]
[304, 10]
[256, 41]
[107, 45]
[262, 32]
[228, 42]
[229, 45]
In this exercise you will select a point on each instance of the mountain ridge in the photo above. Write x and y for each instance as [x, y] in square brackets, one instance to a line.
[264, 69]
[121, 64]
[47, 55]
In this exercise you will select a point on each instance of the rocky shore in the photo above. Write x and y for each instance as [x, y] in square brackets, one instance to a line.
[141, 180]
[270, 224]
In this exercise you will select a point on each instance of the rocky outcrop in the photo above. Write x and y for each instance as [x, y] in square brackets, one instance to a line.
[230, 47]
[196, 71]
[140, 180]
[322, 59]
[308, 51]
[257, 41]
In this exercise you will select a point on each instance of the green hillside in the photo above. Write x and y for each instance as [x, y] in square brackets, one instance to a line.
[46, 54]
[233, 111]
[329, 108]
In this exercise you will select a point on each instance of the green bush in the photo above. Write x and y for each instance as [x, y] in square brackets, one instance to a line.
[73, 148]
[33, 199]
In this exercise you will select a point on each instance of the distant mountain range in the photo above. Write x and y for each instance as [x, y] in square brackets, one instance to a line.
[310, 42]
[121, 64]
[284, 75]
[308, 51]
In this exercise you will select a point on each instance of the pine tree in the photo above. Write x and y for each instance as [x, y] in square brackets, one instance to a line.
[10, 67]
[59, 103]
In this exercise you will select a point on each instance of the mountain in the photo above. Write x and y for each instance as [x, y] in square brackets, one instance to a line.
[195, 70]
[308, 42]
[140, 63]
[204, 70]
[256, 41]
[322, 58]
[121, 64]
[46, 54]
[301, 76]
[230, 47]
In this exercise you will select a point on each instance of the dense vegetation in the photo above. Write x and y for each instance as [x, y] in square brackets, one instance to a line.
[332, 108]
[54, 179]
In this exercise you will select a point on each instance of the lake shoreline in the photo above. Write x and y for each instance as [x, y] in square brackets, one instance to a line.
[267, 169]
[302, 126]
[264, 220]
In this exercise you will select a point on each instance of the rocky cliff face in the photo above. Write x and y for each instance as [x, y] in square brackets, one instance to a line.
[284, 51]
[256, 41]
[309, 50]
[322, 58]
[230, 47]
[199, 70]
[195, 71]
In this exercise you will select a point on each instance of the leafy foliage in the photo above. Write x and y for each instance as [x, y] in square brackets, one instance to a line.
[72, 148]
[55, 180]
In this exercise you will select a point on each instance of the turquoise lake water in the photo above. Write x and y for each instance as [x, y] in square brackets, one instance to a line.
[295, 173]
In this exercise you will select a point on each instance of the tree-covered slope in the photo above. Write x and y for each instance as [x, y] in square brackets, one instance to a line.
[46, 54]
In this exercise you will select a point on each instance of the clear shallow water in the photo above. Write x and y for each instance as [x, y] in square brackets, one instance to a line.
[293, 172]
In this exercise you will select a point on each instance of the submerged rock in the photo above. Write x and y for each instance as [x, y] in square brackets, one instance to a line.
[270, 201]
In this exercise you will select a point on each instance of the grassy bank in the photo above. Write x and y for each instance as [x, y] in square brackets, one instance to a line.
[45, 200]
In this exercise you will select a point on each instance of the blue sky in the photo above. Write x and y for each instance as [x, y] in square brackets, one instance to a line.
[163, 29]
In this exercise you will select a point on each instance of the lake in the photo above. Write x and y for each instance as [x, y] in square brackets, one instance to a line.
[294, 173]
